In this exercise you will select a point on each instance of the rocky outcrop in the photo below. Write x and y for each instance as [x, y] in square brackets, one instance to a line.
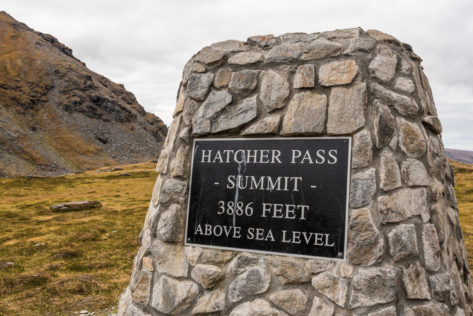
[57, 116]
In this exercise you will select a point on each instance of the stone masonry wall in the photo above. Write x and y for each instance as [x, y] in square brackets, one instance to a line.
[406, 254]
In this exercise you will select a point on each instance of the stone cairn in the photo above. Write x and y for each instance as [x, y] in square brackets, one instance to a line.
[406, 254]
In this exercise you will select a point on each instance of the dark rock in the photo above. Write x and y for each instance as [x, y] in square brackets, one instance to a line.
[384, 124]
[433, 123]
[6, 265]
[75, 206]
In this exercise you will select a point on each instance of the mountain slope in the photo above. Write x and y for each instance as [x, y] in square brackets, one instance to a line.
[464, 156]
[57, 116]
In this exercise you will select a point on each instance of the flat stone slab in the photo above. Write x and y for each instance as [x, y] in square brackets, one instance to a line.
[75, 206]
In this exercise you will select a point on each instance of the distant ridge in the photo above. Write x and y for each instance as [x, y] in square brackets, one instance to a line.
[57, 116]
[464, 156]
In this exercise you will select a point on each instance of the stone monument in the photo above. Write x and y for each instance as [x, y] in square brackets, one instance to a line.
[303, 174]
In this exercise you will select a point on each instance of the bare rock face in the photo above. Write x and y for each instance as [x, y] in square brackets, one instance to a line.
[58, 117]
[405, 253]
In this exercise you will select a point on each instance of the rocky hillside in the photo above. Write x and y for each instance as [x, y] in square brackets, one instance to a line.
[57, 116]
[464, 156]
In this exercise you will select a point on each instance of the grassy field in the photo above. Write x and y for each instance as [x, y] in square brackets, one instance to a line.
[66, 262]
[464, 193]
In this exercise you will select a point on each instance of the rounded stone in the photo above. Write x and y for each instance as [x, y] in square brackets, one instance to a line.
[332, 286]
[141, 292]
[365, 244]
[414, 173]
[242, 263]
[245, 58]
[362, 188]
[171, 190]
[217, 257]
[402, 204]
[198, 85]
[169, 258]
[431, 248]
[321, 48]
[210, 56]
[198, 67]
[403, 242]
[346, 111]
[180, 165]
[433, 123]
[258, 307]
[285, 53]
[230, 46]
[389, 174]
[384, 64]
[337, 73]
[411, 138]
[305, 114]
[243, 82]
[292, 301]
[172, 296]
[268, 125]
[274, 90]
[235, 115]
[405, 105]
[362, 149]
[371, 286]
[213, 104]
[406, 67]
[207, 275]
[254, 281]
[305, 76]
[171, 224]
[384, 124]
[321, 307]
[222, 77]
[430, 308]
[404, 84]
[147, 264]
[210, 302]
[414, 280]
[290, 270]
[388, 311]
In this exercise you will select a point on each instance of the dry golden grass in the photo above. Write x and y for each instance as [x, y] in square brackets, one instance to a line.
[464, 193]
[66, 262]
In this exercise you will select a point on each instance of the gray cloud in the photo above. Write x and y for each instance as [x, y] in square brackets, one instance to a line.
[145, 45]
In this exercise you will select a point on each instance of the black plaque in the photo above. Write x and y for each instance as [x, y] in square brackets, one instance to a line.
[272, 195]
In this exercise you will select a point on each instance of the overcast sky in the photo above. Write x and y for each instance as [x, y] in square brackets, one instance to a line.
[145, 44]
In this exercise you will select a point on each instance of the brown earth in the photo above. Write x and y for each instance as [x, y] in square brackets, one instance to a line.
[57, 116]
